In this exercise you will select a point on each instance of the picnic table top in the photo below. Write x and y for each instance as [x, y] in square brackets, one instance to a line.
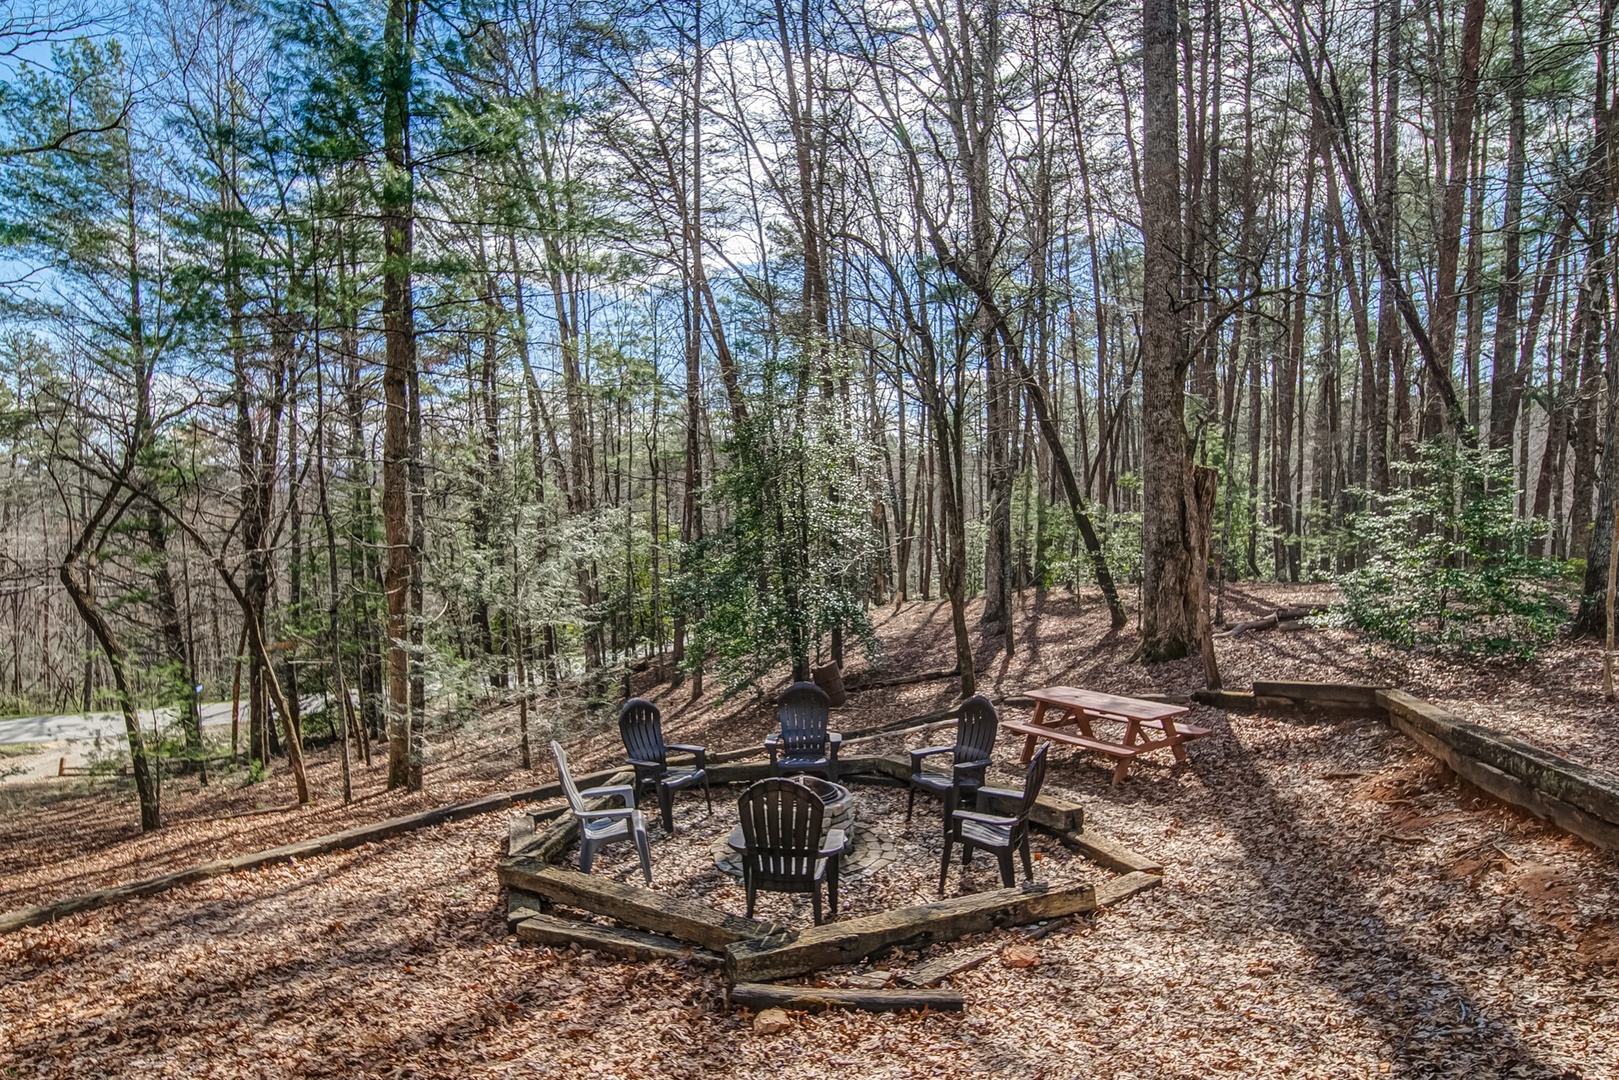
[1091, 701]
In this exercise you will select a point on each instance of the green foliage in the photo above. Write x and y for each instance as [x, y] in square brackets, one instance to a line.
[793, 561]
[1445, 562]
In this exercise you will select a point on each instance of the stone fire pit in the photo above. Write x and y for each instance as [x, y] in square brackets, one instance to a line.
[837, 804]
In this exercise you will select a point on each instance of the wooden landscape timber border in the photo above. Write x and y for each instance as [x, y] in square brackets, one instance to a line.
[358, 836]
[1576, 798]
[666, 927]
[643, 909]
[304, 849]
[761, 996]
[612, 940]
[847, 942]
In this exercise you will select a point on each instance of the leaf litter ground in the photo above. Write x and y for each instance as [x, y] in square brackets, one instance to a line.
[1333, 906]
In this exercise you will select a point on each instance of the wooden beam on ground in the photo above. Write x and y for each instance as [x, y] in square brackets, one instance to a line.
[1230, 700]
[1051, 812]
[553, 790]
[850, 940]
[1335, 697]
[738, 772]
[1126, 886]
[1573, 797]
[641, 908]
[613, 940]
[521, 828]
[921, 726]
[521, 905]
[937, 970]
[1591, 790]
[901, 725]
[888, 765]
[1105, 853]
[520, 832]
[746, 772]
[304, 849]
[856, 684]
[761, 996]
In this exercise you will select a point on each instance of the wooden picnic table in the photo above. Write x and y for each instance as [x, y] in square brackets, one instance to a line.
[1148, 725]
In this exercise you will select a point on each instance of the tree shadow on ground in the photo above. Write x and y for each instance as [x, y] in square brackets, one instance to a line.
[1397, 989]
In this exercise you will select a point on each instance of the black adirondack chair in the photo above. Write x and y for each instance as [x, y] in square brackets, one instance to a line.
[782, 849]
[969, 757]
[641, 727]
[1002, 835]
[803, 745]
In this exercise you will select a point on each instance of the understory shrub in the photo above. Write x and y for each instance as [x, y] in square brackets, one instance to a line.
[1445, 561]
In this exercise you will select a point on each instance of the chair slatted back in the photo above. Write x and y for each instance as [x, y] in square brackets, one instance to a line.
[576, 801]
[781, 830]
[805, 712]
[976, 728]
[640, 725]
[1034, 778]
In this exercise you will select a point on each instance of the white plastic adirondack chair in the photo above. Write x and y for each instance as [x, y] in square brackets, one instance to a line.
[601, 827]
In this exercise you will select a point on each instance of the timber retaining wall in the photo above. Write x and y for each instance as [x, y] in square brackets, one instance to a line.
[1576, 798]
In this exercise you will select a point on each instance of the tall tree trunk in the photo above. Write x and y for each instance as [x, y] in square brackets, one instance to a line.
[1387, 213]
[1585, 410]
[398, 383]
[295, 556]
[1171, 581]
[334, 639]
[1506, 378]
[1286, 507]
[167, 609]
[1596, 609]
[82, 593]
[1442, 325]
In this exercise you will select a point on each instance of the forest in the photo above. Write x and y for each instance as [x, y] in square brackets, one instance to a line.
[1112, 496]
[416, 356]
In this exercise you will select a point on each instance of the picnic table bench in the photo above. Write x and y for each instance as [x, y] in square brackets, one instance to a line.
[1148, 725]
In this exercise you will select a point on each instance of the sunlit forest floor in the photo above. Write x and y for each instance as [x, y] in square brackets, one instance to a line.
[1333, 904]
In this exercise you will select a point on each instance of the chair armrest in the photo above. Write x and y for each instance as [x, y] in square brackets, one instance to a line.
[773, 738]
[835, 842]
[929, 751]
[698, 752]
[622, 791]
[642, 763]
[999, 793]
[834, 740]
[971, 767]
[607, 815]
[983, 819]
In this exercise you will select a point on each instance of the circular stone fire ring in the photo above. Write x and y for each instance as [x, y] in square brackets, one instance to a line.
[837, 803]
